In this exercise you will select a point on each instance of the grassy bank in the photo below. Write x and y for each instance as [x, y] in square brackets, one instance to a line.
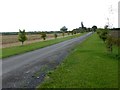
[88, 66]
[10, 51]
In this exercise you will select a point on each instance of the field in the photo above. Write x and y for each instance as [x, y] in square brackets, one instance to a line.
[12, 40]
[115, 34]
[88, 66]
[15, 50]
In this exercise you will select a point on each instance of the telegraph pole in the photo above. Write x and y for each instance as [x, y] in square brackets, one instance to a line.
[119, 14]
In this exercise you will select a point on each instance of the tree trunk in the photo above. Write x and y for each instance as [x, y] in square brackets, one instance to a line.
[22, 43]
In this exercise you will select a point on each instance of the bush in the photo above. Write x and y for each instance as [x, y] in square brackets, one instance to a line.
[108, 39]
[103, 34]
[109, 43]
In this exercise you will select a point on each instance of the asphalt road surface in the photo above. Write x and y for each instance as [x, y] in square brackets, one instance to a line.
[29, 69]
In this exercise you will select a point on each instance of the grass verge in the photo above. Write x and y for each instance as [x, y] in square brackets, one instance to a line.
[88, 66]
[15, 50]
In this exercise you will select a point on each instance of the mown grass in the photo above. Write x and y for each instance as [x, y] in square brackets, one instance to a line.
[88, 66]
[15, 50]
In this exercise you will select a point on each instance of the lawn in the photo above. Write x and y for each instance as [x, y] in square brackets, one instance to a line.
[89, 65]
[15, 50]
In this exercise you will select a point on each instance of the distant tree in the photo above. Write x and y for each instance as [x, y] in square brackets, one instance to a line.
[55, 35]
[82, 25]
[43, 35]
[99, 32]
[94, 28]
[63, 29]
[68, 32]
[81, 30]
[89, 29]
[71, 32]
[74, 31]
[22, 36]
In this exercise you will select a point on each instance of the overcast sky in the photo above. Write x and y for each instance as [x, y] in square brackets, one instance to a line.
[51, 15]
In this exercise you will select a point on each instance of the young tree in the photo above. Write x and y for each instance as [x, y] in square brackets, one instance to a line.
[55, 35]
[103, 34]
[43, 35]
[22, 36]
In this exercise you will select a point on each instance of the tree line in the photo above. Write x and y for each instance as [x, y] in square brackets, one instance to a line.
[22, 34]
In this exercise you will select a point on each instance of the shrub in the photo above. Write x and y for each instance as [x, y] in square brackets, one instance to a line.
[109, 43]
[103, 34]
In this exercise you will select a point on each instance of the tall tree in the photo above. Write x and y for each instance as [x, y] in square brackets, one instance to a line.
[82, 25]
[94, 28]
[22, 36]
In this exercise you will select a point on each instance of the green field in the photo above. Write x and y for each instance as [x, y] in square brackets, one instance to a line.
[6, 52]
[89, 65]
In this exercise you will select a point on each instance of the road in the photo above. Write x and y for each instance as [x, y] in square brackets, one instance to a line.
[29, 69]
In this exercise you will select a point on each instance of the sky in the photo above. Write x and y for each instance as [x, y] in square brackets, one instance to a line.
[51, 15]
